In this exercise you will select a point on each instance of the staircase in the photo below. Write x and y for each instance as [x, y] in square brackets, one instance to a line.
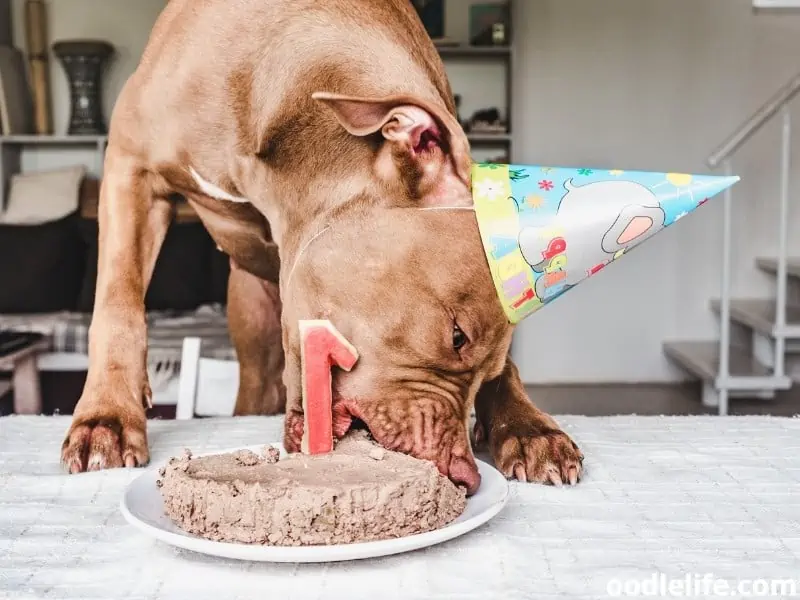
[767, 332]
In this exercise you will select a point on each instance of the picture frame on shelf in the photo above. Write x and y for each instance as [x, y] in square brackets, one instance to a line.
[489, 24]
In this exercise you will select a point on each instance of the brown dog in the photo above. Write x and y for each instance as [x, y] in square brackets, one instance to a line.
[314, 111]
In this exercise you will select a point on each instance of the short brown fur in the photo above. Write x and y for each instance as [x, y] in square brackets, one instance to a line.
[319, 112]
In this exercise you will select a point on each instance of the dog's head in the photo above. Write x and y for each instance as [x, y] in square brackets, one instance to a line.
[411, 290]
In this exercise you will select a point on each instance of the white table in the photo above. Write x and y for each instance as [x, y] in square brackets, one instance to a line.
[677, 496]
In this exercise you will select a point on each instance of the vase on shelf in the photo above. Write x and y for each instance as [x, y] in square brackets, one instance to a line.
[84, 62]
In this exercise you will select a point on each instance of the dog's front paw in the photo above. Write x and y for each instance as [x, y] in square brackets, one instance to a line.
[104, 443]
[529, 452]
[108, 430]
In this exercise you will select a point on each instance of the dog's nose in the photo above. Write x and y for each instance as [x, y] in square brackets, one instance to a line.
[464, 471]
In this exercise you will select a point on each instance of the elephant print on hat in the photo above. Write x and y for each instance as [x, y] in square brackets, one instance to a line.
[546, 229]
[595, 223]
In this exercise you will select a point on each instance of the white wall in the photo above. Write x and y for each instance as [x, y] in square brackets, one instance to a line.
[632, 84]
[651, 85]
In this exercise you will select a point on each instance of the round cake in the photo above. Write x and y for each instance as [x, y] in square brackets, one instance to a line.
[358, 492]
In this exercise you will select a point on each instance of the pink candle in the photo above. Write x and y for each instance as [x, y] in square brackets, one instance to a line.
[322, 347]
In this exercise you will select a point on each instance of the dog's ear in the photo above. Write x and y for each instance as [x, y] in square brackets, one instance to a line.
[424, 144]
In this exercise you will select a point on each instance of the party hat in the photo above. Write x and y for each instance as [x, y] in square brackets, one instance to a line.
[547, 229]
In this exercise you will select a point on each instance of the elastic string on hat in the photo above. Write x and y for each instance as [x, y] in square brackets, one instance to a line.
[447, 208]
[302, 250]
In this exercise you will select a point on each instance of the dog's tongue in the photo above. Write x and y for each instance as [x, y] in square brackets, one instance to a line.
[462, 472]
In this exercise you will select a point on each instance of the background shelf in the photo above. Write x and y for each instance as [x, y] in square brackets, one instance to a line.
[488, 138]
[467, 51]
[55, 140]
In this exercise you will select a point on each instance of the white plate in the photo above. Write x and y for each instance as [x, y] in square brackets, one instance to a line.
[142, 507]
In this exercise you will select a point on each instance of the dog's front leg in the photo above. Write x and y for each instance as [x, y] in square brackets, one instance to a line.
[254, 322]
[525, 443]
[109, 425]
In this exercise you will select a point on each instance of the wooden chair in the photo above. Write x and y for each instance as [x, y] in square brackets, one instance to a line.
[20, 356]
[207, 386]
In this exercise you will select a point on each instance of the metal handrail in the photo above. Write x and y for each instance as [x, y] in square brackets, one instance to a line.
[756, 122]
[779, 102]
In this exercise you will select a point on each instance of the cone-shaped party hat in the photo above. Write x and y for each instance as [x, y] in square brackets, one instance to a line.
[546, 229]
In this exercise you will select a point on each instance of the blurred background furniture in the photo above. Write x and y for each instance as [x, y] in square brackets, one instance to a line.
[19, 353]
[207, 386]
[625, 84]
[52, 290]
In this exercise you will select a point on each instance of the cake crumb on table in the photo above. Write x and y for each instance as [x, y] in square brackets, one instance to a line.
[247, 458]
[271, 454]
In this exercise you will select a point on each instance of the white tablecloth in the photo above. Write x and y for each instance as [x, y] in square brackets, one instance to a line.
[662, 497]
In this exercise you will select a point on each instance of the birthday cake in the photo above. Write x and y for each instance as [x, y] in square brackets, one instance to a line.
[358, 492]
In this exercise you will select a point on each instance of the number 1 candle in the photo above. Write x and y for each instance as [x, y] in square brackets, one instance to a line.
[322, 348]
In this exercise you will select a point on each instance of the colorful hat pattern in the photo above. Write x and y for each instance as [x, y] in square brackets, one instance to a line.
[546, 229]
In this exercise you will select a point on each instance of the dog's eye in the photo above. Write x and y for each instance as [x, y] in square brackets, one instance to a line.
[459, 338]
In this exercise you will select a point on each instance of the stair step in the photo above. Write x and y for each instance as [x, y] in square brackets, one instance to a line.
[759, 315]
[770, 265]
[702, 360]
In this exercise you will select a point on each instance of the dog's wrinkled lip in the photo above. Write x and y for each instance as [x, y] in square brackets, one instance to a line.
[347, 416]
[461, 470]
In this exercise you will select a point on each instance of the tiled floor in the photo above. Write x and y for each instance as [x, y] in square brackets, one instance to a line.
[654, 399]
